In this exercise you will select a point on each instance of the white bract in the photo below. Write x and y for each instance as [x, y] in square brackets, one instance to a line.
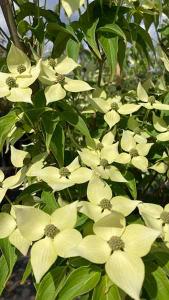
[10, 182]
[121, 248]
[102, 166]
[136, 152]
[8, 229]
[53, 74]
[113, 108]
[101, 202]
[15, 85]
[149, 102]
[59, 179]
[156, 217]
[161, 126]
[53, 235]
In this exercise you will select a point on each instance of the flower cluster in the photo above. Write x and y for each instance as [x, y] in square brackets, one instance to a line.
[123, 145]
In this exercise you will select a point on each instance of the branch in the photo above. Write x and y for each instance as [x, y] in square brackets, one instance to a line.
[6, 7]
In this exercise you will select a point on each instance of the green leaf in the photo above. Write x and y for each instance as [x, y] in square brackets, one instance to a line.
[7, 262]
[162, 259]
[110, 47]
[51, 284]
[27, 272]
[131, 184]
[72, 49]
[106, 290]
[156, 282]
[49, 200]
[31, 9]
[58, 144]
[49, 119]
[4, 273]
[53, 28]
[79, 282]
[6, 124]
[23, 27]
[139, 32]
[89, 29]
[9, 253]
[112, 28]
[75, 120]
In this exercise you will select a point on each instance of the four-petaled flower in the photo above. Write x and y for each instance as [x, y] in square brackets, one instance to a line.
[136, 151]
[101, 202]
[53, 74]
[53, 235]
[15, 85]
[121, 248]
[59, 179]
[112, 108]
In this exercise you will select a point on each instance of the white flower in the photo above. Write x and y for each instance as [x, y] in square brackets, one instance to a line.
[121, 248]
[59, 179]
[136, 151]
[15, 85]
[53, 235]
[149, 102]
[101, 202]
[161, 126]
[53, 74]
[113, 108]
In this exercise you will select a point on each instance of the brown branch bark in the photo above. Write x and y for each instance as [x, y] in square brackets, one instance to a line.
[6, 7]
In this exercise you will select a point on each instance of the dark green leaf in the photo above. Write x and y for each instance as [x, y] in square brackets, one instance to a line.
[156, 282]
[51, 284]
[4, 273]
[79, 282]
[75, 120]
[110, 47]
[58, 144]
[49, 119]
[9, 253]
[54, 28]
[112, 28]
[89, 29]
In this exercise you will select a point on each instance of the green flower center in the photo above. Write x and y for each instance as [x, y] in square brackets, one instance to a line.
[133, 152]
[165, 217]
[114, 106]
[51, 231]
[104, 163]
[64, 172]
[60, 78]
[21, 69]
[99, 146]
[52, 62]
[116, 243]
[151, 100]
[105, 204]
[11, 82]
[137, 130]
